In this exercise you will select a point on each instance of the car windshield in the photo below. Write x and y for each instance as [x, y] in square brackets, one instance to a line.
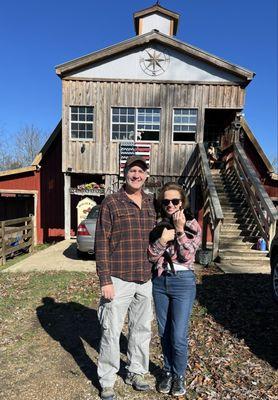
[93, 213]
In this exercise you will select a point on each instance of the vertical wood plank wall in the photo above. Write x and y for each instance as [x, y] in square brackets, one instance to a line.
[101, 156]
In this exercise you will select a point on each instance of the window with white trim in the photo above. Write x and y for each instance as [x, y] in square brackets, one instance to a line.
[184, 124]
[81, 122]
[130, 123]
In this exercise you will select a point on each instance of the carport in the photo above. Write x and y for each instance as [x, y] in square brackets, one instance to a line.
[19, 203]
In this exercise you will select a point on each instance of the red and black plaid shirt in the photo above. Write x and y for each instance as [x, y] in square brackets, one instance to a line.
[122, 238]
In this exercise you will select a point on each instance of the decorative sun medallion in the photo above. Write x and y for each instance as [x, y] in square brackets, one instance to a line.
[154, 62]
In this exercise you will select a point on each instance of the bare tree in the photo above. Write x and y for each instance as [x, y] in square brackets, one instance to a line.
[274, 163]
[6, 160]
[28, 142]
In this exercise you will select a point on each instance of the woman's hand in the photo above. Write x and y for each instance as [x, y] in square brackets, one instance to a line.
[167, 236]
[179, 221]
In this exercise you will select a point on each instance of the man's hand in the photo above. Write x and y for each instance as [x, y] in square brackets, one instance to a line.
[108, 292]
[167, 236]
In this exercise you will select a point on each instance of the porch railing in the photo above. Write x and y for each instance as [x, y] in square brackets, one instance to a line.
[212, 212]
[212, 208]
[256, 196]
[16, 235]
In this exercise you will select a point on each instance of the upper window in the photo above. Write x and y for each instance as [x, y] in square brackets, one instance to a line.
[81, 122]
[185, 124]
[135, 123]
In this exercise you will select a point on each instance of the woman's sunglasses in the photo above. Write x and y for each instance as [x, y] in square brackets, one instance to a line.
[166, 202]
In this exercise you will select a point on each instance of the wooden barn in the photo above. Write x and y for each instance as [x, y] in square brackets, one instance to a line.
[163, 98]
[37, 190]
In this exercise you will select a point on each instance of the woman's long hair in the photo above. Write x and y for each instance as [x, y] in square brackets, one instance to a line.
[165, 188]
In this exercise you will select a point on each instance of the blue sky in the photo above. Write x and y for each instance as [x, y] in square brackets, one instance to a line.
[35, 36]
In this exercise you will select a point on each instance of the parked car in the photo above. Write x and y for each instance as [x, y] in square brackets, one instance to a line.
[274, 266]
[85, 238]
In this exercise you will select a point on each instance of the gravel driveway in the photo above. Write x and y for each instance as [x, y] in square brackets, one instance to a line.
[58, 257]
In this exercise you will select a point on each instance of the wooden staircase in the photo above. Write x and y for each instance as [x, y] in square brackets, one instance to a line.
[239, 232]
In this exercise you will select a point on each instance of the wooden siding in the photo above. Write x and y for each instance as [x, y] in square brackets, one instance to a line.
[101, 156]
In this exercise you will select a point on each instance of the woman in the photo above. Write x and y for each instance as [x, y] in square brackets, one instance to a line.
[212, 156]
[174, 292]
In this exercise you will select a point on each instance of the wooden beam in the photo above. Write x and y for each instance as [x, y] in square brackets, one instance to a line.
[19, 191]
[67, 201]
[149, 81]
[257, 146]
[18, 170]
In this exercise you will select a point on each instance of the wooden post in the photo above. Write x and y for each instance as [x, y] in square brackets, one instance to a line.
[204, 232]
[67, 201]
[35, 220]
[3, 243]
[215, 246]
[31, 248]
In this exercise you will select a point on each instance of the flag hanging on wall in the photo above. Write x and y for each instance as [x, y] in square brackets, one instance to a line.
[131, 148]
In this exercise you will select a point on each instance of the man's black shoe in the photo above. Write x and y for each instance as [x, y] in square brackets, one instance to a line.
[165, 382]
[178, 388]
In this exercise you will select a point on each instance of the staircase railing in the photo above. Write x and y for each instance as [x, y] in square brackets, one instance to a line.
[212, 211]
[260, 203]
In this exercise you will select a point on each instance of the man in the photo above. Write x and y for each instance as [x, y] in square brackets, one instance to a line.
[122, 237]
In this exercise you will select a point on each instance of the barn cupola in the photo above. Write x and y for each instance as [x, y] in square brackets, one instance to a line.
[158, 18]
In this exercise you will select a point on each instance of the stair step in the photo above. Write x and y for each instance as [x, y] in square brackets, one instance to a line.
[233, 209]
[245, 260]
[232, 202]
[240, 213]
[239, 268]
[231, 236]
[235, 219]
[230, 192]
[239, 232]
[238, 245]
[238, 227]
[230, 195]
[231, 199]
[246, 254]
[237, 241]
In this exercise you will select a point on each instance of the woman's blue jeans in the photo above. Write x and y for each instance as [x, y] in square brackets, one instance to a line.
[173, 298]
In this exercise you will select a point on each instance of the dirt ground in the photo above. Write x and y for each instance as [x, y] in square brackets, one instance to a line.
[50, 334]
[61, 256]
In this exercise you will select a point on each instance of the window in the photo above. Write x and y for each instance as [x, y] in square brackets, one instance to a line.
[81, 122]
[135, 124]
[185, 124]
[123, 123]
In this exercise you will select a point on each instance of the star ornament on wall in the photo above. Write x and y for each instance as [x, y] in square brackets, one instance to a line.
[154, 62]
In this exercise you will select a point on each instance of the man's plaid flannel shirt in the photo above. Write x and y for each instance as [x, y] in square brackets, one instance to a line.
[122, 238]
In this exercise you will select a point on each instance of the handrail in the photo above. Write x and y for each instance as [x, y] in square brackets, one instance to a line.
[199, 168]
[212, 205]
[206, 174]
[261, 205]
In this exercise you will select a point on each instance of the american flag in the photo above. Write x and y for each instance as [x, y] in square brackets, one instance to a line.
[131, 148]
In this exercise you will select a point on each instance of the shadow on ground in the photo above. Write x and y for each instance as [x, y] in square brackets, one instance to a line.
[71, 252]
[242, 304]
[69, 324]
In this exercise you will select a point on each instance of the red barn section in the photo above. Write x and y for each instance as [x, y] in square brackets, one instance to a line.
[37, 190]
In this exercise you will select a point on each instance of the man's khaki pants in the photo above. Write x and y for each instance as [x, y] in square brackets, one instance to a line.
[135, 300]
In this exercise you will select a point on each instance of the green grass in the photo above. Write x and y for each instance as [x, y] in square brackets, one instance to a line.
[20, 292]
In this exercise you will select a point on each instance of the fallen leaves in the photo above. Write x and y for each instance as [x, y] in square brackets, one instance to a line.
[52, 343]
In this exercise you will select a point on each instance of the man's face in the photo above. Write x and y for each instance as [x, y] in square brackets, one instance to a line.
[135, 177]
